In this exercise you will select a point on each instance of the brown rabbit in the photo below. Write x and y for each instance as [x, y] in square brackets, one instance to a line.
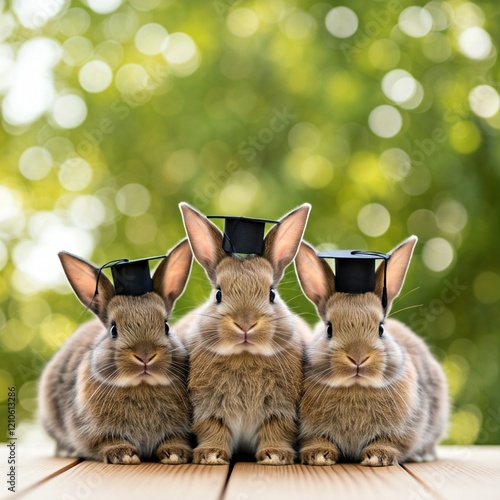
[245, 346]
[373, 391]
[117, 389]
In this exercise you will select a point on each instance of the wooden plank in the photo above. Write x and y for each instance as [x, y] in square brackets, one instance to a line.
[98, 481]
[34, 464]
[460, 473]
[250, 481]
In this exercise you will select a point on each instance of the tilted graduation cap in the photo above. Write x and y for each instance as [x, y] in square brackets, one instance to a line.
[355, 271]
[130, 277]
[243, 234]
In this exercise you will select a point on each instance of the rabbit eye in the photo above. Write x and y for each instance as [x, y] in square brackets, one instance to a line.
[272, 295]
[113, 331]
[381, 329]
[167, 328]
[329, 330]
[218, 296]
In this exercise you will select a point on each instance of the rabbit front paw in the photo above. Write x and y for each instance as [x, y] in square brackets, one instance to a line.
[121, 454]
[275, 456]
[319, 456]
[210, 456]
[378, 456]
[173, 454]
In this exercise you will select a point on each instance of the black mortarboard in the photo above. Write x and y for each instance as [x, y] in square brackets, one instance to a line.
[355, 271]
[130, 277]
[243, 234]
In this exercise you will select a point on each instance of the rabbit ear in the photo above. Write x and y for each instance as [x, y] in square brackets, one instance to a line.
[170, 277]
[315, 276]
[282, 241]
[205, 239]
[397, 265]
[82, 276]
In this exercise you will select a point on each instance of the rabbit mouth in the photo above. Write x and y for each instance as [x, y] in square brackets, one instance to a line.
[245, 339]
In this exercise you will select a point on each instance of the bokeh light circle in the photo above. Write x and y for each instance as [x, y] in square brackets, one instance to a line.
[484, 101]
[341, 22]
[34, 14]
[35, 163]
[415, 21]
[87, 211]
[395, 163]
[475, 43]
[133, 199]
[95, 76]
[385, 121]
[104, 6]
[75, 174]
[151, 38]
[69, 111]
[242, 22]
[131, 78]
[374, 219]
[180, 48]
[304, 135]
[399, 85]
[437, 254]
[451, 216]
[298, 25]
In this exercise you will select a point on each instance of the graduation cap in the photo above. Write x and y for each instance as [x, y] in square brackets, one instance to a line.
[355, 271]
[130, 277]
[243, 234]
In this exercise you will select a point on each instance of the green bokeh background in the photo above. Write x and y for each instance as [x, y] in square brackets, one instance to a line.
[259, 108]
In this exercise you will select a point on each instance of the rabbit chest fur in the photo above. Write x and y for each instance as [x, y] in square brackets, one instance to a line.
[244, 390]
[407, 409]
[83, 411]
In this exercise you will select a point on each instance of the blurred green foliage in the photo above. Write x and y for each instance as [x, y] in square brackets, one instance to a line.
[115, 111]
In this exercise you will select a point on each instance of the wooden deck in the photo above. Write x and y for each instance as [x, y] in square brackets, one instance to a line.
[460, 473]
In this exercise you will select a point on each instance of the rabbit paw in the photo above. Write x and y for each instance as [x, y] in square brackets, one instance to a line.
[275, 456]
[173, 454]
[319, 456]
[378, 456]
[121, 454]
[210, 456]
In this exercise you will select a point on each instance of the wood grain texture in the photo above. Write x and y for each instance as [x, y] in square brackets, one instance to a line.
[249, 481]
[461, 473]
[98, 481]
[34, 464]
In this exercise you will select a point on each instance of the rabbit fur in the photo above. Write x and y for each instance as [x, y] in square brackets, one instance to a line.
[121, 400]
[245, 345]
[373, 392]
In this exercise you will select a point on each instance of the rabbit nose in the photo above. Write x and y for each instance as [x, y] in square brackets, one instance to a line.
[244, 327]
[145, 359]
[356, 361]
